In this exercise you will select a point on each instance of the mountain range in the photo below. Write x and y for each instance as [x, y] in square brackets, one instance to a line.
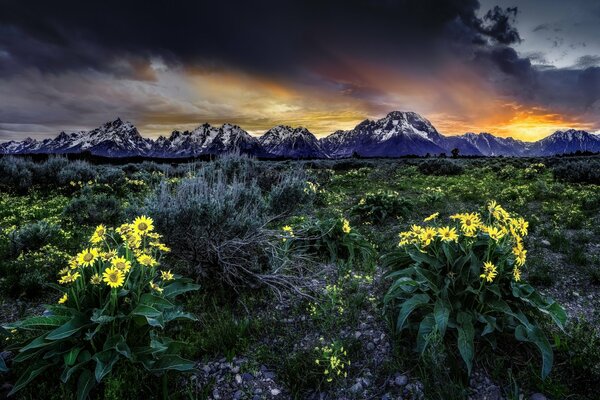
[397, 134]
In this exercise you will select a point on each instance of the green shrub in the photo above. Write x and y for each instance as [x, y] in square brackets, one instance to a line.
[92, 207]
[33, 254]
[380, 205]
[217, 222]
[465, 281]
[583, 171]
[332, 239]
[440, 168]
[15, 174]
[114, 305]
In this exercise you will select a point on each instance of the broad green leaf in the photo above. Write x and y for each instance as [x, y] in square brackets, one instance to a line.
[36, 343]
[178, 287]
[71, 356]
[85, 384]
[105, 360]
[441, 312]
[154, 300]
[146, 311]
[536, 336]
[426, 326]
[68, 329]
[31, 372]
[3, 367]
[408, 307]
[175, 314]
[172, 362]
[39, 323]
[466, 337]
[69, 371]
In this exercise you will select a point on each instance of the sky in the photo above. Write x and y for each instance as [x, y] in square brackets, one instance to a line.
[520, 68]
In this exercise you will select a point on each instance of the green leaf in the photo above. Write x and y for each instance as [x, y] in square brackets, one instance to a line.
[441, 312]
[408, 307]
[83, 358]
[146, 311]
[426, 326]
[85, 384]
[105, 360]
[154, 300]
[31, 372]
[75, 324]
[3, 367]
[466, 337]
[172, 315]
[173, 362]
[534, 335]
[99, 318]
[39, 323]
[178, 287]
[71, 356]
[36, 343]
[118, 343]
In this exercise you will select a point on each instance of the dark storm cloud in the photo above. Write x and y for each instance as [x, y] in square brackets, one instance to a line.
[263, 36]
[588, 61]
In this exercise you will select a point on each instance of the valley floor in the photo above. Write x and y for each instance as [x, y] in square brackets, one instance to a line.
[252, 342]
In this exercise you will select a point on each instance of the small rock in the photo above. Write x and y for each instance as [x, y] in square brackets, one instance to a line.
[238, 379]
[238, 395]
[275, 392]
[545, 242]
[538, 396]
[357, 334]
[401, 380]
[269, 375]
[356, 388]
[247, 376]
[370, 346]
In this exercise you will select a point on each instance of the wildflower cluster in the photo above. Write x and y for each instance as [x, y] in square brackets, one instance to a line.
[464, 276]
[311, 187]
[113, 302]
[333, 359]
[500, 228]
[331, 302]
[109, 261]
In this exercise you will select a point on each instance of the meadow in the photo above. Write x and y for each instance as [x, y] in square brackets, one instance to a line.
[236, 278]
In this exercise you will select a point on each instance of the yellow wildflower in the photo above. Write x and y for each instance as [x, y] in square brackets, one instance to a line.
[121, 263]
[99, 234]
[427, 236]
[143, 225]
[87, 257]
[155, 287]
[166, 275]
[431, 217]
[146, 260]
[69, 278]
[346, 226]
[490, 271]
[63, 299]
[448, 234]
[516, 274]
[95, 279]
[113, 277]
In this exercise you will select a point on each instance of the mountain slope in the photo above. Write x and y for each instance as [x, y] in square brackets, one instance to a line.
[490, 145]
[397, 134]
[206, 139]
[569, 141]
[284, 141]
